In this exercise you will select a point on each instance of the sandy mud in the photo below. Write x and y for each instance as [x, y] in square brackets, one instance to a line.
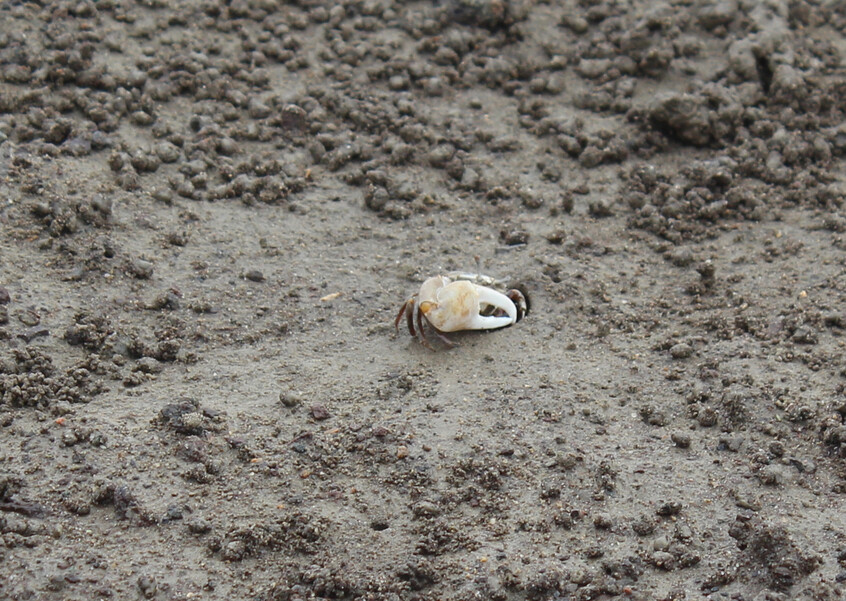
[211, 211]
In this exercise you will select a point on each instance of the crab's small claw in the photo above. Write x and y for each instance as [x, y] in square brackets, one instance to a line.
[521, 301]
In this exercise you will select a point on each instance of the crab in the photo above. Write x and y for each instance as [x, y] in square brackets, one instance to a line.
[461, 301]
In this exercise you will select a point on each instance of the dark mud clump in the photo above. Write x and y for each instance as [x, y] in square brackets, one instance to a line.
[30, 379]
[188, 418]
[770, 555]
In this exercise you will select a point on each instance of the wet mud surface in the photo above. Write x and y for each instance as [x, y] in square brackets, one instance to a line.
[212, 212]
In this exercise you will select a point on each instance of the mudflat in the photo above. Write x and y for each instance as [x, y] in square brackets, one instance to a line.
[211, 212]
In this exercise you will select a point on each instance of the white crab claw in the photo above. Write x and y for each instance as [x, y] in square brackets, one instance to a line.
[498, 300]
[458, 306]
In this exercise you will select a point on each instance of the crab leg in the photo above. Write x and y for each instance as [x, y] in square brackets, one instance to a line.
[409, 316]
[420, 325]
[446, 340]
[402, 312]
[496, 299]
[407, 309]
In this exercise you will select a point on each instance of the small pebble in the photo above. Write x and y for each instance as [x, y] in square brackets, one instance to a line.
[681, 351]
[33, 332]
[141, 269]
[290, 399]
[680, 439]
[669, 508]
[29, 318]
[148, 587]
[148, 365]
[514, 237]
[174, 512]
[600, 208]
[426, 509]
[319, 412]
[199, 526]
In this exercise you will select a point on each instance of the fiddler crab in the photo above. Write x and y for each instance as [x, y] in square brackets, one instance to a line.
[461, 301]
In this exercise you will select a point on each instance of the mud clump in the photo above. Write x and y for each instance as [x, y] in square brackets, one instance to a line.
[683, 116]
[771, 556]
[93, 332]
[492, 14]
[31, 380]
[125, 503]
[295, 532]
[186, 417]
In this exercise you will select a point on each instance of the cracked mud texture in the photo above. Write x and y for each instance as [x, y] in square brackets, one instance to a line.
[212, 211]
